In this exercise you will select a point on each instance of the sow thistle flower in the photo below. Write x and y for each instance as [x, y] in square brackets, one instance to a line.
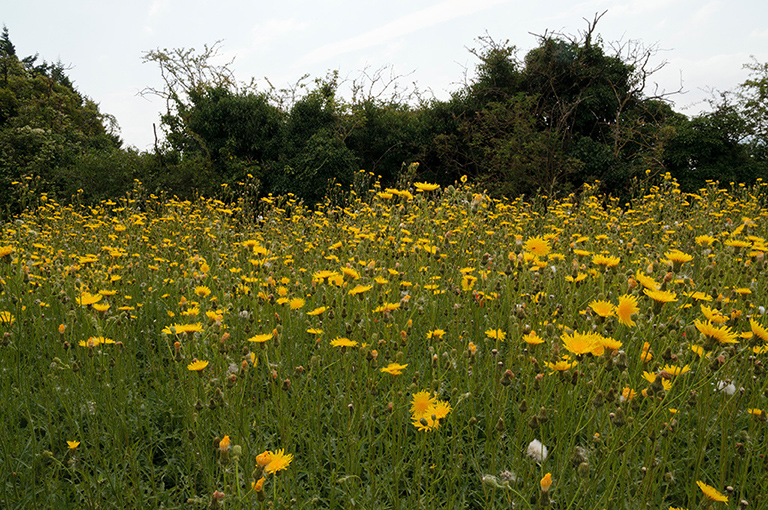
[425, 186]
[626, 308]
[533, 339]
[722, 334]
[343, 342]
[605, 261]
[496, 334]
[537, 246]
[711, 493]
[178, 329]
[661, 296]
[427, 411]
[713, 315]
[678, 258]
[602, 308]
[758, 330]
[272, 462]
[95, 341]
[7, 318]
[560, 366]
[86, 298]
[197, 366]
[394, 368]
[260, 339]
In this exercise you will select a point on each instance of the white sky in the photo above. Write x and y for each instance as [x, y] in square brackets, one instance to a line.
[705, 42]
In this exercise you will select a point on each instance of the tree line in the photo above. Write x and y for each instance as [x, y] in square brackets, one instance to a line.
[572, 110]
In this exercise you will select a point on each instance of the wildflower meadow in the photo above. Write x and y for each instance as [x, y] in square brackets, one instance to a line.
[417, 347]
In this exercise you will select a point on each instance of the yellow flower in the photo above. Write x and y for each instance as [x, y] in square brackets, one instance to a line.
[435, 333]
[646, 281]
[626, 308]
[678, 257]
[7, 318]
[5, 251]
[546, 482]
[675, 370]
[722, 334]
[343, 342]
[660, 296]
[264, 458]
[758, 330]
[421, 402]
[359, 289]
[178, 329]
[713, 315]
[425, 186]
[704, 240]
[560, 366]
[394, 368]
[351, 273]
[202, 291]
[537, 246]
[496, 334]
[317, 311]
[711, 493]
[605, 260]
[278, 461]
[197, 365]
[296, 303]
[258, 486]
[73, 444]
[87, 298]
[260, 338]
[602, 308]
[533, 339]
[579, 343]
[224, 444]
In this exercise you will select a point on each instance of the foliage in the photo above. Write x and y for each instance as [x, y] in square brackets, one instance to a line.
[164, 353]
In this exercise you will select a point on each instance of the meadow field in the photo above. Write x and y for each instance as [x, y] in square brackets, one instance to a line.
[427, 347]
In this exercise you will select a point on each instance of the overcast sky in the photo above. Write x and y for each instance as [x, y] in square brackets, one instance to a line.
[705, 42]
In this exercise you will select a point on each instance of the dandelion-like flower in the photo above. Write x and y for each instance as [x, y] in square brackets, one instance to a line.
[278, 461]
[722, 334]
[197, 365]
[661, 296]
[496, 334]
[602, 308]
[420, 402]
[758, 330]
[711, 493]
[394, 368]
[537, 246]
[343, 342]
[626, 308]
[605, 260]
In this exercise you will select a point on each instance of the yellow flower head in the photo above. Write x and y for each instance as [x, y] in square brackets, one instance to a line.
[278, 461]
[546, 482]
[602, 308]
[394, 368]
[661, 296]
[421, 402]
[496, 334]
[626, 308]
[537, 246]
[197, 366]
[711, 493]
[343, 342]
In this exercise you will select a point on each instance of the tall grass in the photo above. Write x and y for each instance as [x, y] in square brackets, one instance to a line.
[102, 407]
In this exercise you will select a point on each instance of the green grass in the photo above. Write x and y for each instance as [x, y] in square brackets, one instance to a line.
[452, 259]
